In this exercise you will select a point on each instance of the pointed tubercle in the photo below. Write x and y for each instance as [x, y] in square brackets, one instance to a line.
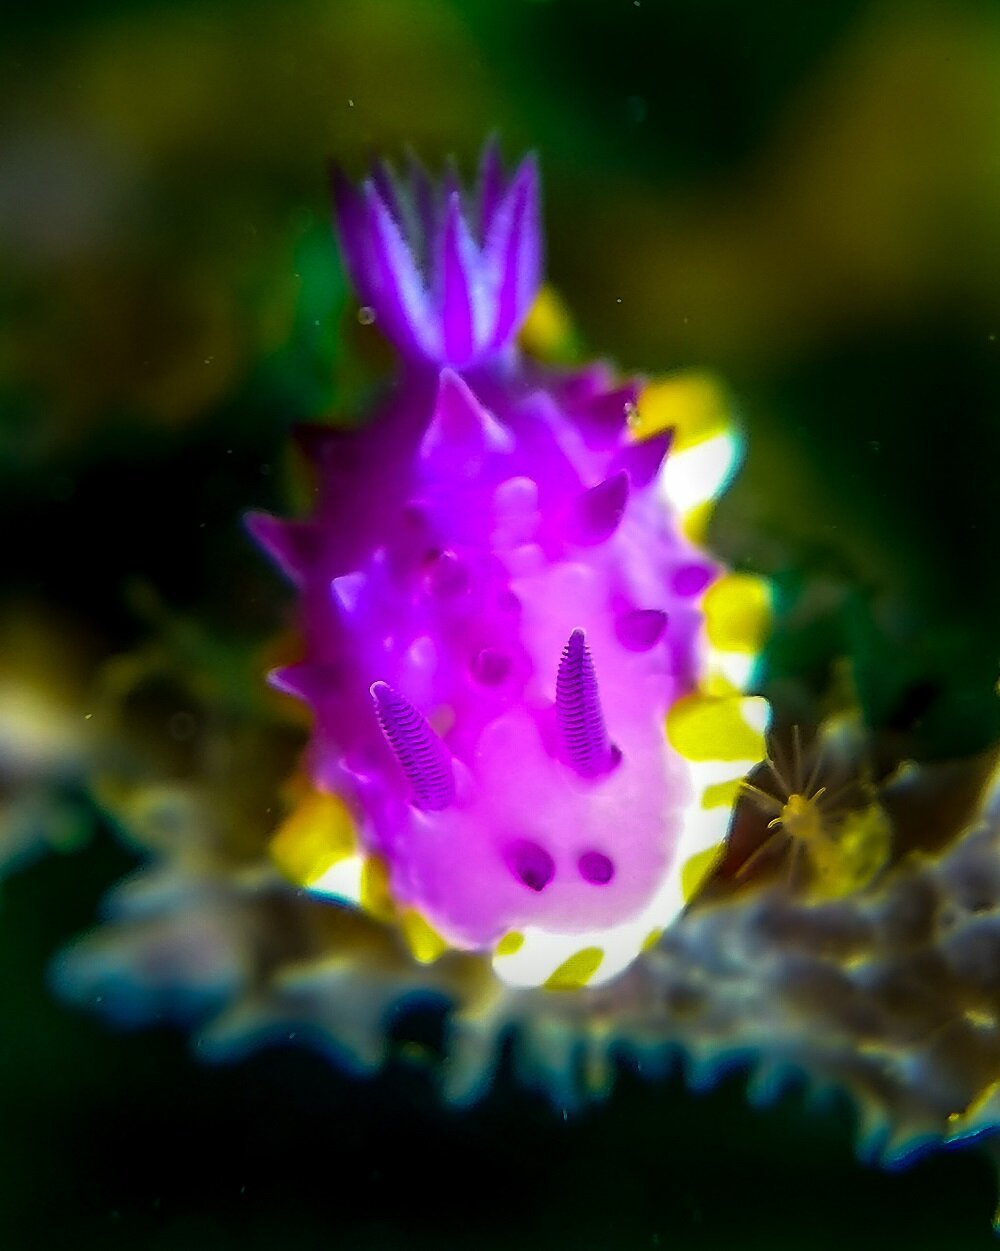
[460, 425]
[596, 513]
[642, 460]
[295, 546]
[347, 590]
[603, 417]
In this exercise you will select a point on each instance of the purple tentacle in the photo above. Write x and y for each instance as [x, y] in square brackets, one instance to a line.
[491, 187]
[457, 260]
[516, 247]
[399, 297]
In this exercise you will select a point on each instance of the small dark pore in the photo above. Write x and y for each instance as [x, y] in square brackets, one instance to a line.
[530, 864]
[596, 867]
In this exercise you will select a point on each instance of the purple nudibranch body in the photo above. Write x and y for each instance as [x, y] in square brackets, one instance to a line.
[500, 611]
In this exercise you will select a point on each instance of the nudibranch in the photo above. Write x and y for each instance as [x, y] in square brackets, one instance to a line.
[524, 671]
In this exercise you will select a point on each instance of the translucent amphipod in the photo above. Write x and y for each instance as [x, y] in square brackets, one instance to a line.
[524, 670]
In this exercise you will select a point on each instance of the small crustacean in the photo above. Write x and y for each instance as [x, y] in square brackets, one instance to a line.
[825, 813]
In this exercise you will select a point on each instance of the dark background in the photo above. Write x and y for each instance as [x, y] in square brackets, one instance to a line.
[801, 198]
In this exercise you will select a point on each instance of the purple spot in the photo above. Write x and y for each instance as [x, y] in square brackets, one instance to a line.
[640, 629]
[490, 666]
[507, 601]
[530, 864]
[692, 579]
[595, 867]
[446, 575]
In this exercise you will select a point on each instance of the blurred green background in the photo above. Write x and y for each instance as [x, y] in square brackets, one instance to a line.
[801, 198]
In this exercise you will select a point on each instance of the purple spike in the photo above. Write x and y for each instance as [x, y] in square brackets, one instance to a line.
[490, 186]
[457, 263]
[422, 756]
[294, 545]
[640, 629]
[460, 427]
[578, 710]
[514, 248]
[398, 294]
[642, 461]
[316, 441]
[596, 513]
[458, 403]
[307, 680]
[582, 385]
[347, 589]
[602, 418]
[291, 680]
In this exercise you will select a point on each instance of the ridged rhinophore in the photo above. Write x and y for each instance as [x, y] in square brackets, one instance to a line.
[578, 711]
[422, 756]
